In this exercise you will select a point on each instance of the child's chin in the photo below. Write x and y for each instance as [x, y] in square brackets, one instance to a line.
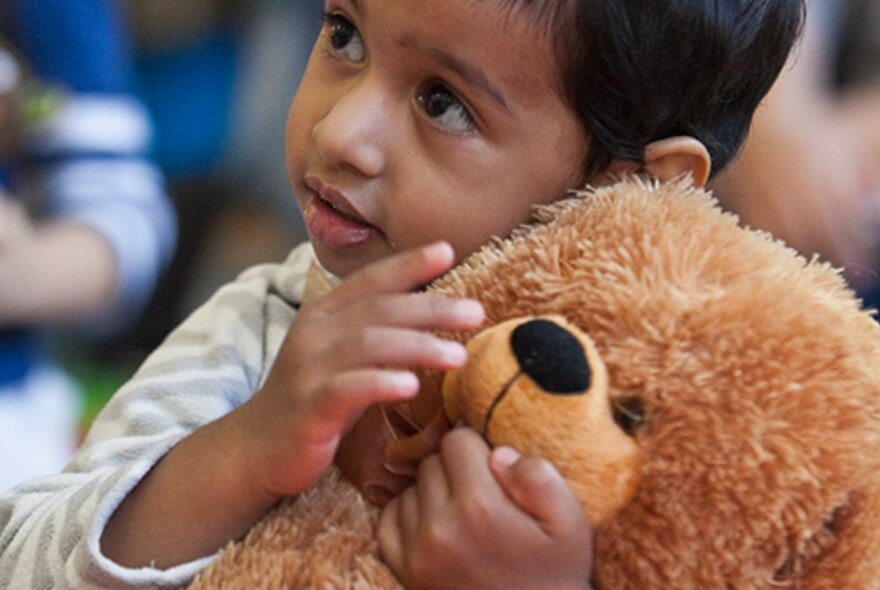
[343, 262]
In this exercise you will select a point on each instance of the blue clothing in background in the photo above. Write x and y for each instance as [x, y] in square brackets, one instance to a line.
[81, 44]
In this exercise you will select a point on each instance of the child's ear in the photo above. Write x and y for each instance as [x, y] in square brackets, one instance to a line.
[670, 158]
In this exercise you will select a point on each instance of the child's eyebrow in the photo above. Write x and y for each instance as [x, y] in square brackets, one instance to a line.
[469, 72]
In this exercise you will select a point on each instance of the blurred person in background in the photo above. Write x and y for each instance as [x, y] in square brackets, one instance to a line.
[217, 76]
[810, 170]
[85, 223]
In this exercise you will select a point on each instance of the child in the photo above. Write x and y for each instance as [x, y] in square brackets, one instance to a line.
[422, 128]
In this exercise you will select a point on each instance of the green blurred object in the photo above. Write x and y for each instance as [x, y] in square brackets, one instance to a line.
[40, 102]
[97, 383]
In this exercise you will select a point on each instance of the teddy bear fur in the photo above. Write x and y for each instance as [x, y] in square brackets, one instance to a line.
[756, 378]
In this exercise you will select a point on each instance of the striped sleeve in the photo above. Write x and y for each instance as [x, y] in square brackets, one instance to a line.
[50, 527]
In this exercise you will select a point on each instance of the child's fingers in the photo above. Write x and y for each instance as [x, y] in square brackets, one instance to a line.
[396, 274]
[464, 454]
[393, 347]
[408, 514]
[432, 486]
[346, 395]
[397, 530]
[422, 311]
[390, 537]
[538, 489]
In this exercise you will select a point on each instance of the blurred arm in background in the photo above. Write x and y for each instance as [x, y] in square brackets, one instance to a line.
[810, 170]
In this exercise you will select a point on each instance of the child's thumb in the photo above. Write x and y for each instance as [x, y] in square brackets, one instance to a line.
[536, 486]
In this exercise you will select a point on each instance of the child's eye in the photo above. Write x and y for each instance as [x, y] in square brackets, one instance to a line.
[345, 40]
[447, 111]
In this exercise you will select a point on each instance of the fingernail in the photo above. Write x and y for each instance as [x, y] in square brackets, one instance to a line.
[505, 456]
[405, 380]
[470, 311]
[453, 352]
[440, 247]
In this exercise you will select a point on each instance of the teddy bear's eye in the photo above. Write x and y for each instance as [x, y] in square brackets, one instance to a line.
[629, 413]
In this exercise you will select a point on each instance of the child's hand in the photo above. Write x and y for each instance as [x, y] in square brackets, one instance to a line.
[486, 519]
[353, 348]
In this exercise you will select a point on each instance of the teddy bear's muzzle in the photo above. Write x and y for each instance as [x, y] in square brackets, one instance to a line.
[549, 355]
[539, 384]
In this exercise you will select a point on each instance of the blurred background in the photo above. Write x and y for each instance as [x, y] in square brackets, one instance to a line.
[215, 78]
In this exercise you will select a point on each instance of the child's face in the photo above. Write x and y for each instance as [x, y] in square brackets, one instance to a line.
[420, 120]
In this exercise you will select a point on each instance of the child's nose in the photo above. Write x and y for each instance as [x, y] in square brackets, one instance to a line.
[351, 133]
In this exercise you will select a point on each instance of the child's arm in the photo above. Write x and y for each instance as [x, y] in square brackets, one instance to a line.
[58, 272]
[486, 519]
[341, 354]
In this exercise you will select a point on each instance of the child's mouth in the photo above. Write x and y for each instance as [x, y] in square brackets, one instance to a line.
[334, 227]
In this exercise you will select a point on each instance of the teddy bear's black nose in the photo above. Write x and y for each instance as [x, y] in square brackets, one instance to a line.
[552, 357]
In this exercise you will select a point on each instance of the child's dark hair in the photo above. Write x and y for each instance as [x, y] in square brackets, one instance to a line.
[637, 71]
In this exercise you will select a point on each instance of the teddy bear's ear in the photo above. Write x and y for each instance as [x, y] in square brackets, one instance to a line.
[846, 552]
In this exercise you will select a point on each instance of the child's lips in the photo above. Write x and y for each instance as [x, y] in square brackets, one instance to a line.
[332, 220]
[336, 200]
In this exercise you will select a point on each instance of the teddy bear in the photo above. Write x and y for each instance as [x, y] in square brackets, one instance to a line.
[711, 397]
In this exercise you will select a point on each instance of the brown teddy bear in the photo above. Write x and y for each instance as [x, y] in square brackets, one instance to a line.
[712, 398]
